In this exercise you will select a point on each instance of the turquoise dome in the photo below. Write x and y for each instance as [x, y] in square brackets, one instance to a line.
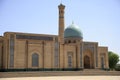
[73, 31]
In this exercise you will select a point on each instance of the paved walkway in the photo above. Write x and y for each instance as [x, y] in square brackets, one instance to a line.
[66, 78]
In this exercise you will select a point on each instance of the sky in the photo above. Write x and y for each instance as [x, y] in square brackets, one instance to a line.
[99, 20]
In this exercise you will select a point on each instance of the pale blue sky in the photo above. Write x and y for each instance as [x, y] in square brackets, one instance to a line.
[99, 20]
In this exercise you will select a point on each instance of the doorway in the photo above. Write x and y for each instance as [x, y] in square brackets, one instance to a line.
[86, 62]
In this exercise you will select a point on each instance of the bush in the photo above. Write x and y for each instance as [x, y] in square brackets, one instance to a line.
[117, 68]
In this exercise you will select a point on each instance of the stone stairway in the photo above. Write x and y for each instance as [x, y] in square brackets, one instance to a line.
[99, 72]
[85, 72]
[93, 70]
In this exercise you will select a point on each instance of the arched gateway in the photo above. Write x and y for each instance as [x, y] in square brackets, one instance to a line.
[88, 59]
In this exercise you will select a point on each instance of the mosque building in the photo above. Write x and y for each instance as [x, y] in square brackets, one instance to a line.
[65, 51]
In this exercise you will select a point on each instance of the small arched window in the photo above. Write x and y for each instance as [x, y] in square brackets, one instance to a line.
[35, 60]
[69, 41]
[102, 62]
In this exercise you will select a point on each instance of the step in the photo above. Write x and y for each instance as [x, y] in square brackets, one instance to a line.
[58, 73]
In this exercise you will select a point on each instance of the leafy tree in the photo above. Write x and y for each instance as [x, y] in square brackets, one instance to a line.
[113, 59]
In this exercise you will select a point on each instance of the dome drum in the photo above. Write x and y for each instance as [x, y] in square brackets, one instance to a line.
[72, 40]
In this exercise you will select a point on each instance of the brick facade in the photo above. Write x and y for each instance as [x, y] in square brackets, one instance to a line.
[16, 50]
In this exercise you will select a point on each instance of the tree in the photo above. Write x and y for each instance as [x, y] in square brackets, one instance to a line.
[113, 59]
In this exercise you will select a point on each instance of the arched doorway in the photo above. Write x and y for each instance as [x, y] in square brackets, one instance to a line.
[87, 62]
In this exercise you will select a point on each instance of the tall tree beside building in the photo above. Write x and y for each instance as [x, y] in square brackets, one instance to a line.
[113, 59]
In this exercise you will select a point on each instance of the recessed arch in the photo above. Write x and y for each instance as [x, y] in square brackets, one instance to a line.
[88, 59]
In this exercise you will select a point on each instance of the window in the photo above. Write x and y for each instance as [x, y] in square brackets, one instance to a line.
[35, 60]
[11, 51]
[56, 55]
[69, 61]
[69, 41]
[102, 62]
